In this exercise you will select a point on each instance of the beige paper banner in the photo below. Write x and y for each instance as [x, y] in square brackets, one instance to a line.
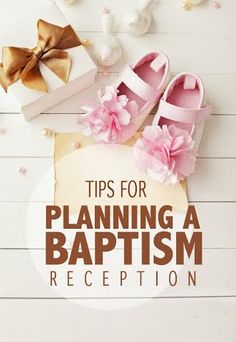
[93, 161]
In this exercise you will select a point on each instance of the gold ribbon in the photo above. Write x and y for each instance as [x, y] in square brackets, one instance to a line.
[22, 63]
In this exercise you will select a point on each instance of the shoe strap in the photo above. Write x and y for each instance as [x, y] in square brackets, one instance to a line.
[175, 113]
[159, 62]
[139, 86]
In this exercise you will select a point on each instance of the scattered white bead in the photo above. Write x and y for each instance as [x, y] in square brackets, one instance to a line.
[76, 145]
[105, 73]
[69, 2]
[196, 2]
[105, 10]
[186, 4]
[21, 170]
[216, 4]
[47, 132]
[86, 43]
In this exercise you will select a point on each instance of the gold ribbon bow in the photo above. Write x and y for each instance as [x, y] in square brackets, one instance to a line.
[22, 63]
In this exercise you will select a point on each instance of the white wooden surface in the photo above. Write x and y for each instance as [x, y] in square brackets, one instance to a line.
[203, 41]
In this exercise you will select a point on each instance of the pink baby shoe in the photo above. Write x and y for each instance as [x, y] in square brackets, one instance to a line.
[120, 110]
[167, 150]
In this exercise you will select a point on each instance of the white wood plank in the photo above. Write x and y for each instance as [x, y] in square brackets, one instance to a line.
[20, 187]
[218, 139]
[203, 19]
[217, 223]
[8, 103]
[12, 232]
[21, 279]
[216, 219]
[29, 134]
[223, 101]
[214, 180]
[167, 319]
[211, 50]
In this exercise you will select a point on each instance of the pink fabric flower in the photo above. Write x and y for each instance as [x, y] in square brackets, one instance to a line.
[111, 119]
[166, 153]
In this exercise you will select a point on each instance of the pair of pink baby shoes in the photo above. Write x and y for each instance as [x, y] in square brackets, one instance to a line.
[168, 148]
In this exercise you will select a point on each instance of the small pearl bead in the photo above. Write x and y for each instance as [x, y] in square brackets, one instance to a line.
[105, 10]
[216, 4]
[69, 2]
[76, 145]
[105, 73]
[2, 131]
[86, 43]
[21, 170]
[186, 5]
[47, 132]
[196, 2]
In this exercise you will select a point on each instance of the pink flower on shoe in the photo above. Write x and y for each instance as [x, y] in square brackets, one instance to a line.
[111, 119]
[166, 153]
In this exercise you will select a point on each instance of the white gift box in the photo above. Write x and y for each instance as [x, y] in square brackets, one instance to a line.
[23, 33]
